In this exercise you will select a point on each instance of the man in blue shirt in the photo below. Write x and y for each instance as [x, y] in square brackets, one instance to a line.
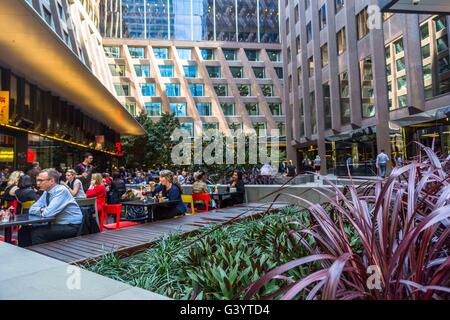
[56, 201]
[381, 163]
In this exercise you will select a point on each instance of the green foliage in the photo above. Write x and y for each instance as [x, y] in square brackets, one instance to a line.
[155, 147]
[217, 267]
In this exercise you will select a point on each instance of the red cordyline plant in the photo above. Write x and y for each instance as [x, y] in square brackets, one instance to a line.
[402, 226]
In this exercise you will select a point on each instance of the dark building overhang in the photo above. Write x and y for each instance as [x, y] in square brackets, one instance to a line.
[31, 49]
[413, 6]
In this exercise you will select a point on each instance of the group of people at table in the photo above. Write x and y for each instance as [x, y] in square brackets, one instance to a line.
[52, 197]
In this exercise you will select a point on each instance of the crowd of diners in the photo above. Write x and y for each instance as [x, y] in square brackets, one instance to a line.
[51, 193]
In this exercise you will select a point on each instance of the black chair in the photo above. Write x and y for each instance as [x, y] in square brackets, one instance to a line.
[90, 222]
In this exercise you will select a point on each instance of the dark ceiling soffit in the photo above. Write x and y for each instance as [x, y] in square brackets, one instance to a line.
[386, 6]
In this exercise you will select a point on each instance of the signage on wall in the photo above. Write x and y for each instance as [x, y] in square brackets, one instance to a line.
[4, 107]
[6, 155]
[99, 142]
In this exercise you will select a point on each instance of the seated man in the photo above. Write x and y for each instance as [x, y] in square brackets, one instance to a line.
[58, 202]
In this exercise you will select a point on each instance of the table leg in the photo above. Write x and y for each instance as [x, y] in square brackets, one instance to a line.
[8, 234]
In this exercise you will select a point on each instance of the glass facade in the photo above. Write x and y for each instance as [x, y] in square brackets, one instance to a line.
[153, 109]
[220, 20]
[179, 109]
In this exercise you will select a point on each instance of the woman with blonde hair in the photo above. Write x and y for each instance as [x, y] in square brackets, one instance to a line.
[12, 186]
[73, 184]
[98, 190]
[170, 189]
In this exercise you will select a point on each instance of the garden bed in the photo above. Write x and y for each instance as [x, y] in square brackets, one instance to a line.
[219, 265]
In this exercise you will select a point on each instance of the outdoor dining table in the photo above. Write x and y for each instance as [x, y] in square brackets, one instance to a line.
[221, 195]
[22, 220]
[150, 204]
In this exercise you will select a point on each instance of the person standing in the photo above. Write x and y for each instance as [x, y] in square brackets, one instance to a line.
[349, 163]
[84, 170]
[381, 163]
[400, 161]
[291, 170]
[317, 162]
[306, 164]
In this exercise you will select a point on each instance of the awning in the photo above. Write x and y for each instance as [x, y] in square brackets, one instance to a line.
[423, 117]
[361, 133]
[418, 6]
[31, 49]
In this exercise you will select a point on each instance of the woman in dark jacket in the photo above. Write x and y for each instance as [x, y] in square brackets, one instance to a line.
[238, 184]
[25, 193]
[117, 188]
[171, 190]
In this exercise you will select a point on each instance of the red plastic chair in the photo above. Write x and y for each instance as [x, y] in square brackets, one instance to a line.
[206, 197]
[114, 209]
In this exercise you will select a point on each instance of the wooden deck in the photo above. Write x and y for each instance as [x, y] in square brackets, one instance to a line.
[130, 240]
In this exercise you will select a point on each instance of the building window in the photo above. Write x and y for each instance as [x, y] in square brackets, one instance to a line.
[275, 109]
[179, 109]
[221, 90]
[367, 91]
[267, 90]
[344, 98]
[207, 54]
[204, 109]
[122, 89]
[235, 125]
[197, 89]
[190, 71]
[299, 76]
[166, 71]
[184, 53]
[252, 109]
[187, 127]
[442, 44]
[296, 13]
[327, 105]
[153, 109]
[230, 55]
[260, 128]
[142, 70]
[426, 52]
[274, 55]
[288, 54]
[287, 26]
[308, 32]
[312, 106]
[136, 52]
[213, 71]
[112, 52]
[307, 4]
[297, 44]
[361, 23]
[148, 89]
[424, 32]
[117, 70]
[310, 66]
[244, 90]
[324, 55]
[131, 107]
[161, 53]
[67, 39]
[341, 41]
[236, 72]
[210, 126]
[61, 12]
[173, 89]
[398, 45]
[259, 72]
[279, 72]
[229, 109]
[338, 5]
[323, 17]
[252, 55]
[48, 17]
[440, 23]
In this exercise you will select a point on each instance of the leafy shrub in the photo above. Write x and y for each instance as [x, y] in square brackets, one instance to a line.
[402, 226]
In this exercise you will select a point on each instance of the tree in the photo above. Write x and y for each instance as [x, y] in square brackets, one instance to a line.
[154, 148]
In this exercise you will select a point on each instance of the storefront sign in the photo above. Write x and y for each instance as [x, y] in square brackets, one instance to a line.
[99, 142]
[4, 107]
[6, 154]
